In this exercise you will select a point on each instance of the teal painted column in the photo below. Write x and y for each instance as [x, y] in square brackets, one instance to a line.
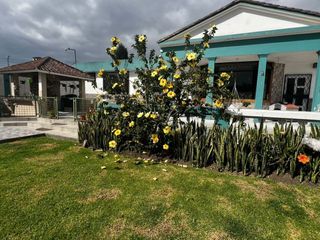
[211, 66]
[263, 59]
[316, 92]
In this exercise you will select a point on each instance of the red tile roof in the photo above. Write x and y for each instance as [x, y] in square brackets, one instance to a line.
[49, 65]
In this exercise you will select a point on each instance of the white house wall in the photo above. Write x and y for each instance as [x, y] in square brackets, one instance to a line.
[132, 78]
[246, 21]
[91, 91]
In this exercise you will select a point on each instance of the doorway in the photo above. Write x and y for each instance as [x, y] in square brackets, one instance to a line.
[296, 90]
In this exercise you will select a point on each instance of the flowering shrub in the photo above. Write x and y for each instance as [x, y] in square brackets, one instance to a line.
[167, 88]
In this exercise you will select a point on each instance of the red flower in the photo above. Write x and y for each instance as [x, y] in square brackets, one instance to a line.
[304, 159]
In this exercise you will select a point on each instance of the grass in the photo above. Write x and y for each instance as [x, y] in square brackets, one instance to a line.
[52, 189]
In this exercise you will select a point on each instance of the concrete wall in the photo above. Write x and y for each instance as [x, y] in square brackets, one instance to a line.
[1, 85]
[69, 87]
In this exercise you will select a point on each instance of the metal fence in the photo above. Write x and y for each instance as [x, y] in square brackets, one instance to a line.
[18, 107]
[48, 107]
[81, 106]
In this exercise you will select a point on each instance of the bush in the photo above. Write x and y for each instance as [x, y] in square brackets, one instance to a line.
[169, 88]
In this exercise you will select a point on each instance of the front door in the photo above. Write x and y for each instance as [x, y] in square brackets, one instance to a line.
[297, 89]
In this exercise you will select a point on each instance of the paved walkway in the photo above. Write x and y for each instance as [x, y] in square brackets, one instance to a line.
[13, 133]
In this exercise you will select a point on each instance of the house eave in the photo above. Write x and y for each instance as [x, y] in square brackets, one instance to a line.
[298, 14]
[246, 36]
[46, 72]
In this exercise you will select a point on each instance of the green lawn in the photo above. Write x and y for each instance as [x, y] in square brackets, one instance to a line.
[52, 189]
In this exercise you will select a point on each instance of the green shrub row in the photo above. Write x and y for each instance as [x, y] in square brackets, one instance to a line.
[236, 149]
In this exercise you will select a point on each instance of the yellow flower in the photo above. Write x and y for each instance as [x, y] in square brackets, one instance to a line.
[116, 62]
[113, 50]
[218, 103]
[114, 85]
[131, 124]
[123, 71]
[155, 138]
[170, 85]
[163, 82]
[164, 67]
[112, 144]
[191, 56]
[125, 114]
[117, 132]
[165, 146]
[160, 77]
[167, 130]
[177, 76]
[140, 114]
[165, 90]
[146, 115]
[206, 45]
[154, 73]
[225, 76]
[115, 40]
[220, 83]
[175, 59]
[101, 72]
[187, 36]
[153, 115]
[171, 94]
[141, 38]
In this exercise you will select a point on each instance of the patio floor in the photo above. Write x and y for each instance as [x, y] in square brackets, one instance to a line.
[14, 133]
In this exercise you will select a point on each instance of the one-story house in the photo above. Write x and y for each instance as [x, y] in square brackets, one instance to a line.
[272, 51]
[43, 77]
[53, 81]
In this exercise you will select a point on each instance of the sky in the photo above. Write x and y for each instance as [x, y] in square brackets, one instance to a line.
[31, 28]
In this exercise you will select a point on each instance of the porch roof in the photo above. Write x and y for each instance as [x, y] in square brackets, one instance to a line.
[47, 65]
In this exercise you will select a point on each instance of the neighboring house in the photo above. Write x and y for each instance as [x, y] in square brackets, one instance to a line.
[43, 77]
[105, 82]
[273, 52]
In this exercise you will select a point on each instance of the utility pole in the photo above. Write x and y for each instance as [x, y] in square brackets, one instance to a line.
[8, 60]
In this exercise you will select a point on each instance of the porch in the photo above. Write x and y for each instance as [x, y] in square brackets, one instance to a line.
[289, 80]
[276, 66]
